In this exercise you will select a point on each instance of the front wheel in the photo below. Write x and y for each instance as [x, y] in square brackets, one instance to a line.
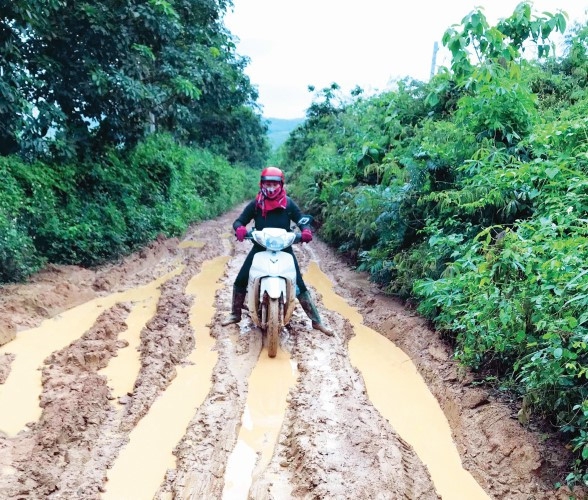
[274, 320]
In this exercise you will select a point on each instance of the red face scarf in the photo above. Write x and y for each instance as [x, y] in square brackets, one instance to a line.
[267, 204]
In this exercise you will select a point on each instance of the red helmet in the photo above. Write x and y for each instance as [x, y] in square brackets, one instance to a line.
[272, 174]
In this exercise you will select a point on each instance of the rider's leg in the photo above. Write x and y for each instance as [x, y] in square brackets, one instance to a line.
[307, 303]
[236, 307]
[240, 290]
[312, 312]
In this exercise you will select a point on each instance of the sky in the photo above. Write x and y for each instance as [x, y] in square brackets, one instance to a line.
[292, 44]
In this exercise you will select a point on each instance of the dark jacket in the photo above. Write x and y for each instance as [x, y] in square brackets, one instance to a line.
[279, 217]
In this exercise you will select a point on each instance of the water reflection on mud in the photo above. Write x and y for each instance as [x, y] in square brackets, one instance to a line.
[138, 471]
[400, 394]
[269, 384]
[22, 389]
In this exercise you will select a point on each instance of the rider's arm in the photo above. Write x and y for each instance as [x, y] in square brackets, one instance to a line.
[246, 216]
[296, 215]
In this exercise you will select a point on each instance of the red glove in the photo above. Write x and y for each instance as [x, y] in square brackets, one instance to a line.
[241, 232]
[306, 236]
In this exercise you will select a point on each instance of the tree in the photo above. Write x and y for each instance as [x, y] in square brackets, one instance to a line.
[502, 44]
[81, 76]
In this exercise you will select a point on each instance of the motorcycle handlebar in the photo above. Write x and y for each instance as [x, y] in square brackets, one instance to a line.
[249, 236]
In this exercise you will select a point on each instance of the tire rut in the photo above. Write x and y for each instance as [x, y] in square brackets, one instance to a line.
[332, 442]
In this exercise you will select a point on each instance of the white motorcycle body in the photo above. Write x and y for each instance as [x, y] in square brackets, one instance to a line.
[271, 291]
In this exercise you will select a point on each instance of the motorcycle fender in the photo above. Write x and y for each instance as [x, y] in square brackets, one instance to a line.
[277, 267]
[274, 286]
[272, 264]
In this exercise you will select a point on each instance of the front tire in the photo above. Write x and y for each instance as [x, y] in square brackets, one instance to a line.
[273, 326]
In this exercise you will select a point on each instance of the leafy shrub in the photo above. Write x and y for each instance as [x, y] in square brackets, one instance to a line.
[469, 194]
[18, 256]
[90, 213]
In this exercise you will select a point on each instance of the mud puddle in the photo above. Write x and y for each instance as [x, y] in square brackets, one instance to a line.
[268, 387]
[147, 396]
[22, 389]
[140, 468]
[397, 390]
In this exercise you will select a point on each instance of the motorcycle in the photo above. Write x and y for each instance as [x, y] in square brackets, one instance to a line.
[271, 290]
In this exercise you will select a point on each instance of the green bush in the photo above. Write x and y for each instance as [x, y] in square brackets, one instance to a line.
[469, 195]
[18, 255]
[90, 213]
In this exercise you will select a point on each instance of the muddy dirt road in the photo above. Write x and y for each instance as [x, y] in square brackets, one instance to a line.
[120, 383]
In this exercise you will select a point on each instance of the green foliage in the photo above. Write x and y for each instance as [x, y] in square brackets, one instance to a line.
[90, 213]
[469, 195]
[501, 109]
[497, 101]
[18, 258]
[502, 44]
[349, 212]
[83, 77]
[564, 137]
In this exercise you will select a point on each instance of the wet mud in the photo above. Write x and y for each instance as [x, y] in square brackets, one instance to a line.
[155, 399]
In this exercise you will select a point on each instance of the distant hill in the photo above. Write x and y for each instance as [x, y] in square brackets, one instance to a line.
[280, 128]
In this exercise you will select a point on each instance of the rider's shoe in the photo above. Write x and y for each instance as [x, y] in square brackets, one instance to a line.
[231, 319]
[322, 328]
[312, 312]
[237, 305]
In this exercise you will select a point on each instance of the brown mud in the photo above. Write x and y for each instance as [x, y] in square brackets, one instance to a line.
[332, 441]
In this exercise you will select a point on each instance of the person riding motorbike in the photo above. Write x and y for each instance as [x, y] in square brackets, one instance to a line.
[272, 207]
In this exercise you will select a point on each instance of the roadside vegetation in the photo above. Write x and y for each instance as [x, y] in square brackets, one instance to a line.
[118, 122]
[468, 195]
[88, 213]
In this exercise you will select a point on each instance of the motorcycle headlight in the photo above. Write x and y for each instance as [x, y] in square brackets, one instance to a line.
[274, 242]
